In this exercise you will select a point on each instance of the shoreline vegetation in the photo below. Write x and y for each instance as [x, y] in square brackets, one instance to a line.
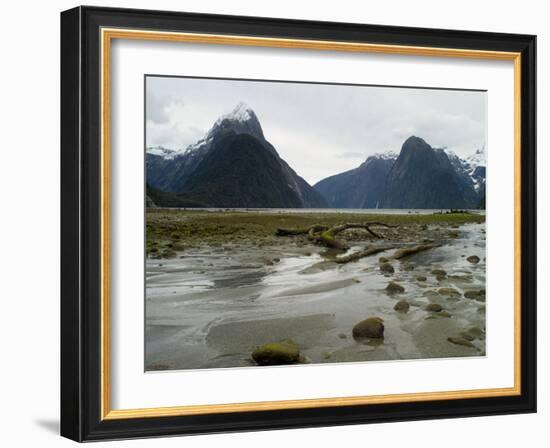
[169, 231]
[243, 288]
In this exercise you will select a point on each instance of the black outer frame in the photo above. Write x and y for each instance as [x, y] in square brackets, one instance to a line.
[80, 223]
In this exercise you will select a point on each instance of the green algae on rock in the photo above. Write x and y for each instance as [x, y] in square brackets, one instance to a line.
[277, 353]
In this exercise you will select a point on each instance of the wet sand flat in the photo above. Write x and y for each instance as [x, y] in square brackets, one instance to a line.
[220, 284]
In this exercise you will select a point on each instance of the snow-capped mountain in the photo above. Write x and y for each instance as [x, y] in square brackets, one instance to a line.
[161, 151]
[223, 154]
[386, 155]
[471, 167]
[418, 177]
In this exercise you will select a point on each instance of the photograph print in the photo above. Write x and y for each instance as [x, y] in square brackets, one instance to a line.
[292, 223]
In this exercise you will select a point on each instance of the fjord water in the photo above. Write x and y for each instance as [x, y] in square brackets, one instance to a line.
[353, 211]
[211, 306]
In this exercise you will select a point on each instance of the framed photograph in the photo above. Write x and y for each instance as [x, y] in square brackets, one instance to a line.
[273, 223]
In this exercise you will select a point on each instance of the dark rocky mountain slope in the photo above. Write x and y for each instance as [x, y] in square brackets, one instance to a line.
[362, 187]
[424, 177]
[232, 166]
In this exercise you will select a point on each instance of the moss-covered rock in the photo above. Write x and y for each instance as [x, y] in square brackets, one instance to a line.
[421, 278]
[439, 272]
[394, 288]
[373, 328]
[277, 353]
[474, 259]
[402, 306]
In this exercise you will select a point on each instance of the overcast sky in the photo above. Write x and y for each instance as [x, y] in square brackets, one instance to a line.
[319, 129]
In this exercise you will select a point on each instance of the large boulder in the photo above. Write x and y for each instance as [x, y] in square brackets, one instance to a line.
[373, 328]
[277, 353]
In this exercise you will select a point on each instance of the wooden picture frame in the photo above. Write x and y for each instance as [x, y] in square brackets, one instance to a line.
[86, 35]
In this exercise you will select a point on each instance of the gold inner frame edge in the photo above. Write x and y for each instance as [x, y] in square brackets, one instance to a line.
[107, 35]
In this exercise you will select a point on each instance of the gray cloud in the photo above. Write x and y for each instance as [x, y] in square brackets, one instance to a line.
[318, 129]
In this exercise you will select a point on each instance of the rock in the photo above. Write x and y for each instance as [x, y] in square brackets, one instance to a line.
[421, 278]
[444, 314]
[475, 332]
[467, 336]
[461, 278]
[408, 267]
[474, 259]
[387, 268]
[394, 288]
[373, 327]
[459, 340]
[402, 306]
[439, 272]
[277, 353]
[453, 234]
[383, 260]
[342, 336]
[436, 307]
[451, 292]
[477, 294]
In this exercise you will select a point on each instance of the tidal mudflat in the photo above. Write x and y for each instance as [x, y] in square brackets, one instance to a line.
[229, 289]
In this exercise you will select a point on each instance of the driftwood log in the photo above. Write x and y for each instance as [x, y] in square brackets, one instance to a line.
[326, 236]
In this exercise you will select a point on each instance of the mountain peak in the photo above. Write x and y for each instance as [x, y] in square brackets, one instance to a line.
[414, 141]
[241, 120]
[241, 112]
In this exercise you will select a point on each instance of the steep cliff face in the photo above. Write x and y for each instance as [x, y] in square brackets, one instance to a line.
[232, 166]
[423, 177]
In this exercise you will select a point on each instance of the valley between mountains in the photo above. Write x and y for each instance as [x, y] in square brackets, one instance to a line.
[235, 166]
[249, 265]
